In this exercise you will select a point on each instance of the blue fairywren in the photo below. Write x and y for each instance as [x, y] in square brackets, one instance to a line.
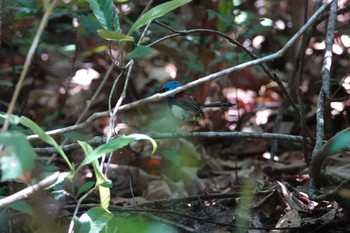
[184, 106]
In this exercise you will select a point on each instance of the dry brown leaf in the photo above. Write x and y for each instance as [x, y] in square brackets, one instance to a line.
[290, 219]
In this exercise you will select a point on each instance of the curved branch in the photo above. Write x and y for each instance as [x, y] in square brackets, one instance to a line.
[157, 97]
[25, 193]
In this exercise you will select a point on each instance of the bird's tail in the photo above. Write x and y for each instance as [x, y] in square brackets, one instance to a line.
[218, 105]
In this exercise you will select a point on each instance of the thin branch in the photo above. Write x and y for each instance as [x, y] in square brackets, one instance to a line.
[28, 61]
[324, 92]
[68, 129]
[113, 114]
[316, 168]
[267, 136]
[110, 97]
[299, 80]
[95, 141]
[160, 96]
[273, 77]
[27, 192]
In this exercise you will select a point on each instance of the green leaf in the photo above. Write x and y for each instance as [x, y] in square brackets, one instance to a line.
[140, 51]
[46, 138]
[105, 196]
[117, 36]
[340, 142]
[94, 220]
[85, 187]
[157, 12]
[115, 144]
[106, 14]
[18, 156]
[103, 189]
[14, 120]
[102, 183]
[225, 19]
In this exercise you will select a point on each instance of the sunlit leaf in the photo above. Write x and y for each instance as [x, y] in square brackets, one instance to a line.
[18, 156]
[117, 36]
[94, 220]
[157, 12]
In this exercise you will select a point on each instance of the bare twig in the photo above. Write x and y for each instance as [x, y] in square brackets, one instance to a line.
[95, 141]
[113, 114]
[324, 92]
[273, 77]
[267, 136]
[299, 80]
[25, 193]
[48, 10]
[160, 96]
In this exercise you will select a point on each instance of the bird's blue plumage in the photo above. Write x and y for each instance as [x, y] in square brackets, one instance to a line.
[183, 105]
[171, 85]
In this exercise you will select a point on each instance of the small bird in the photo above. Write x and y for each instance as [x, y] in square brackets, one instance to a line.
[184, 106]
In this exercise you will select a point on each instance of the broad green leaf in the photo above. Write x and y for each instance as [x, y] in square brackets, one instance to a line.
[157, 12]
[140, 51]
[115, 144]
[106, 14]
[136, 223]
[18, 156]
[340, 142]
[46, 138]
[94, 220]
[117, 36]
